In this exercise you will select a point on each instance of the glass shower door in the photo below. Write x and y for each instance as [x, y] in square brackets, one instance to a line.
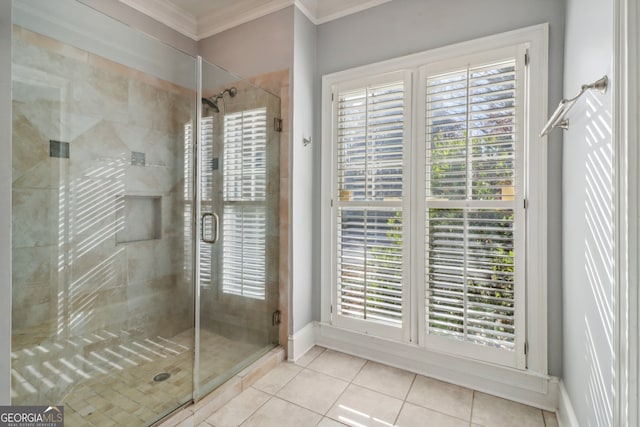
[238, 222]
[103, 296]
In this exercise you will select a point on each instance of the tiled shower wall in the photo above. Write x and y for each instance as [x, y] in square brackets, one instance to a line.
[277, 82]
[72, 280]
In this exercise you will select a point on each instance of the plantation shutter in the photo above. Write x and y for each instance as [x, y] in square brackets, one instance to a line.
[187, 198]
[369, 198]
[473, 241]
[206, 199]
[244, 194]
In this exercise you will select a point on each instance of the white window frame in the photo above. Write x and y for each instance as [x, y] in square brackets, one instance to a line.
[535, 39]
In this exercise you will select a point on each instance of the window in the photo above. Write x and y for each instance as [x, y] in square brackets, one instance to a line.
[474, 214]
[431, 168]
[370, 142]
[244, 194]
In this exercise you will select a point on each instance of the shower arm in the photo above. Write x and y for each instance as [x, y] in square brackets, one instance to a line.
[558, 118]
[212, 101]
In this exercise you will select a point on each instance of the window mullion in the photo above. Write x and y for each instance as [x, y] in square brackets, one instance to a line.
[366, 262]
[366, 145]
[469, 171]
[465, 280]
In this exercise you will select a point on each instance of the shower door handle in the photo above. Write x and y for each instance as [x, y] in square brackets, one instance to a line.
[216, 224]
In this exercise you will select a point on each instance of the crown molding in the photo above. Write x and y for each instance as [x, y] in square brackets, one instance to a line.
[310, 10]
[210, 25]
[198, 28]
[321, 19]
[168, 14]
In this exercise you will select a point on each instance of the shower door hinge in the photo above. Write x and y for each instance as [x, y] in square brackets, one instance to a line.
[277, 124]
[331, 309]
[526, 57]
[525, 204]
[276, 318]
[526, 347]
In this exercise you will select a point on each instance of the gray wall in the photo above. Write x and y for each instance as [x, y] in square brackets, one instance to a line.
[5, 203]
[403, 27]
[145, 24]
[588, 215]
[303, 217]
[256, 47]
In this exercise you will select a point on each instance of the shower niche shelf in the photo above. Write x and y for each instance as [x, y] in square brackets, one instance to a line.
[138, 219]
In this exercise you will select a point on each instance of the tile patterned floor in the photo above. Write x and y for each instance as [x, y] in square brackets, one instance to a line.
[331, 389]
[113, 385]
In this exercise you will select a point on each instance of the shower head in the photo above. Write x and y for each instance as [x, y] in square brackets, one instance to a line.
[212, 102]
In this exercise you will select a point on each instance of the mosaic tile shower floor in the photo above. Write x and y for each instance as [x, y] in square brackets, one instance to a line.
[113, 385]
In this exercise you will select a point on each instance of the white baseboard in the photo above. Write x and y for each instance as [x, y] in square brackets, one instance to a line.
[522, 386]
[566, 414]
[302, 341]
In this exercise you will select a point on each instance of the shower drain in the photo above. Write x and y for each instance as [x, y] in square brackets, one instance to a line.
[162, 377]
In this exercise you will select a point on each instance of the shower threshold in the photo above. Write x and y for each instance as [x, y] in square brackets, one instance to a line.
[225, 392]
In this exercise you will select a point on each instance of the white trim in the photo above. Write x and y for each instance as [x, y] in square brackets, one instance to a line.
[311, 15]
[566, 415]
[167, 13]
[201, 27]
[526, 387]
[537, 190]
[302, 341]
[626, 255]
[342, 13]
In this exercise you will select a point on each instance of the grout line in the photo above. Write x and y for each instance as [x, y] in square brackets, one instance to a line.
[338, 398]
[250, 415]
[413, 381]
[285, 384]
[312, 360]
[395, 420]
[473, 401]
[404, 401]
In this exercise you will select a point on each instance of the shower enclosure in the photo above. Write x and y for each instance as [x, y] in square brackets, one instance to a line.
[144, 220]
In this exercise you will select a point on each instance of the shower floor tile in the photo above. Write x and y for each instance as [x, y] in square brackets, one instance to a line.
[114, 385]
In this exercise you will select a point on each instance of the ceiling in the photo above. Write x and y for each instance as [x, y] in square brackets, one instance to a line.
[199, 19]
